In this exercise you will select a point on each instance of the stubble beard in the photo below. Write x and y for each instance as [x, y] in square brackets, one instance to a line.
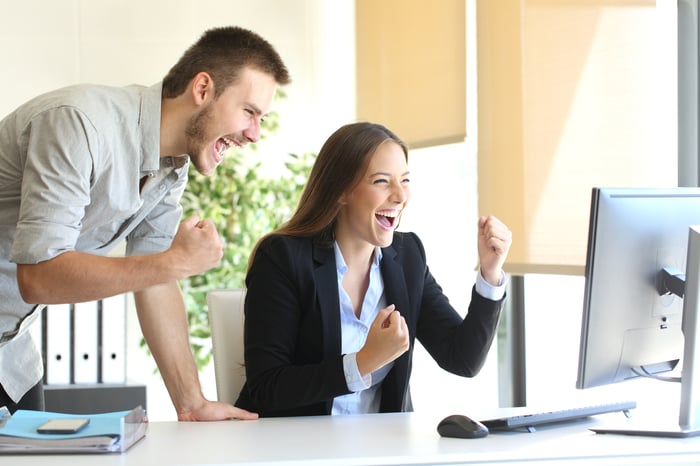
[197, 138]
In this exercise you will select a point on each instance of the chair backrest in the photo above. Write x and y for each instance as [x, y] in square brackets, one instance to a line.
[226, 319]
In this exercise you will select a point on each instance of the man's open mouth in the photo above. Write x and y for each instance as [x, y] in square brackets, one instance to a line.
[223, 144]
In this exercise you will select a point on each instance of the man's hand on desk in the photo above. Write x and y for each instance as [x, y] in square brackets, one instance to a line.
[215, 411]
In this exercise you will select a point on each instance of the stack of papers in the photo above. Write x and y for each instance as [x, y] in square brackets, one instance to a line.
[106, 433]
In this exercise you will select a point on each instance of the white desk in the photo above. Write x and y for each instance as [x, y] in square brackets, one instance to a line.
[379, 439]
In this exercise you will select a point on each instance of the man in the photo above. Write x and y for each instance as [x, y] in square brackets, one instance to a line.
[86, 167]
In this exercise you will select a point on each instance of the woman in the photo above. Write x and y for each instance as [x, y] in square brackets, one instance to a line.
[336, 297]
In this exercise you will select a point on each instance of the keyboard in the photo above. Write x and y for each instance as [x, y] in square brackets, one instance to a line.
[529, 420]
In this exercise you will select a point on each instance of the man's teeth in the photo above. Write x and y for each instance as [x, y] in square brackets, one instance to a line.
[227, 143]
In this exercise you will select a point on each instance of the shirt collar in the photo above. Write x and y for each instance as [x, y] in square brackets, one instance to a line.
[342, 267]
[149, 127]
[149, 123]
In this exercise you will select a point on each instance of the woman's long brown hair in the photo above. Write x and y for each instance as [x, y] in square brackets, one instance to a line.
[339, 166]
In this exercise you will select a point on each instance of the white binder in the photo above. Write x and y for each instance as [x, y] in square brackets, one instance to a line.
[58, 343]
[113, 337]
[85, 331]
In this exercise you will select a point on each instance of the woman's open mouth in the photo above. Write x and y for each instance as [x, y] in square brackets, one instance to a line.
[387, 218]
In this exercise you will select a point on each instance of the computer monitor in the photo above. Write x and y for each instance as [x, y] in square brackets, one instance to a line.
[638, 286]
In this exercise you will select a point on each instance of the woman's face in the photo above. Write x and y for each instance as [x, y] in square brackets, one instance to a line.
[371, 210]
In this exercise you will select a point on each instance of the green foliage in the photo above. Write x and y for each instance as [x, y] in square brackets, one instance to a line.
[244, 205]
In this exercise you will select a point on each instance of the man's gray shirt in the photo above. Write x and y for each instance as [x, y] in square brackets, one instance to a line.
[70, 166]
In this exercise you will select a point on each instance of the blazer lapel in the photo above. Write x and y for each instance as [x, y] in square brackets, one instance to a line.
[326, 279]
[395, 289]
[395, 395]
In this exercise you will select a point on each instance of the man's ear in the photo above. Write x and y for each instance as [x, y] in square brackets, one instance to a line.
[202, 87]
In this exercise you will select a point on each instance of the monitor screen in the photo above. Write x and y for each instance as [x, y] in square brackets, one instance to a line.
[630, 327]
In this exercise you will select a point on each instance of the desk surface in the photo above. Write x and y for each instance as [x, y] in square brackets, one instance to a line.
[376, 439]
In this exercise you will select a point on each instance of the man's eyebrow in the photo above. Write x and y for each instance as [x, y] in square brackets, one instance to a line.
[256, 109]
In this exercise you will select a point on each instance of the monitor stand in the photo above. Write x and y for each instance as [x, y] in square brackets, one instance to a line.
[689, 410]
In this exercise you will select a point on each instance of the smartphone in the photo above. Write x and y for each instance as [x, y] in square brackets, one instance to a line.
[63, 426]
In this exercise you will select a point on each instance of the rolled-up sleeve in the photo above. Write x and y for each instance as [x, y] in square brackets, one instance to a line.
[56, 184]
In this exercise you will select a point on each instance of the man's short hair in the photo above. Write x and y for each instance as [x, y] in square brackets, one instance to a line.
[223, 53]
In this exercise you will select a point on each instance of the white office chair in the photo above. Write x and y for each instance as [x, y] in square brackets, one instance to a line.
[226, 319]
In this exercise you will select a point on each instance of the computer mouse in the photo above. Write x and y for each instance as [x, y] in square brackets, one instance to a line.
[461, 426]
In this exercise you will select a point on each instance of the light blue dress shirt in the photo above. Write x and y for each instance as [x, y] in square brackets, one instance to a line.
[366, 391]
[71, 163]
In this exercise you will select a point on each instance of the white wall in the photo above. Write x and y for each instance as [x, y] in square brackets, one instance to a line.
[47, 44]
[51, 43]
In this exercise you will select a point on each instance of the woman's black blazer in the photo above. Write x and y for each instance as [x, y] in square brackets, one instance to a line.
[292, 326]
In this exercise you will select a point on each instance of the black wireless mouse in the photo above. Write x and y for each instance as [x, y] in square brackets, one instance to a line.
[461, 426]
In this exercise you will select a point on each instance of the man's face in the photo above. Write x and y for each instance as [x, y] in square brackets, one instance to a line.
[231, 120]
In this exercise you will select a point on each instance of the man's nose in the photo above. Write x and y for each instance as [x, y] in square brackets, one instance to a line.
[252, 133]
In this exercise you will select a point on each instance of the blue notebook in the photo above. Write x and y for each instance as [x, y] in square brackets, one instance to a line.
[106, 432]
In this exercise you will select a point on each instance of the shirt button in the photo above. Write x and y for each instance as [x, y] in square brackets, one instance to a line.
[162, 187]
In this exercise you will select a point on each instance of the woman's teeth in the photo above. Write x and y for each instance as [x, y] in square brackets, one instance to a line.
[387, 218]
